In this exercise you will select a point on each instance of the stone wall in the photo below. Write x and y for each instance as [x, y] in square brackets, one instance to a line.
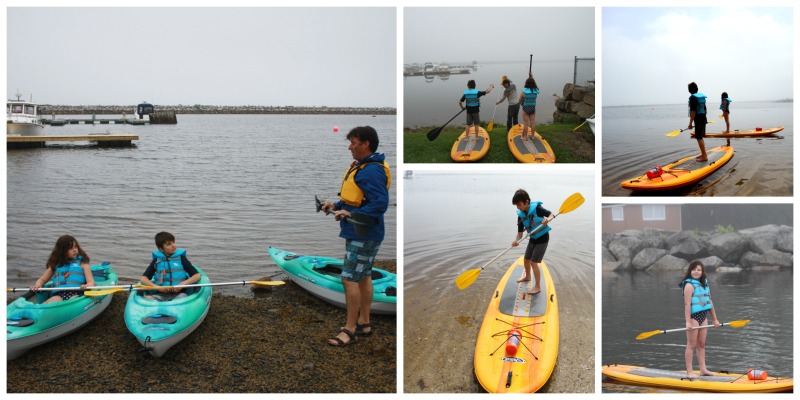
[576, 105]
[765, 247]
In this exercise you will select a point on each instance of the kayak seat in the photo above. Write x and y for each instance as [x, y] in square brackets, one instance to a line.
[159, 319]
[19, 321]
[391, 291]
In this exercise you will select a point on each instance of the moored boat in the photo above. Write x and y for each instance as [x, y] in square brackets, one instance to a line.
[159, 325]
[30, 322]
[22, 118]
[322, 277]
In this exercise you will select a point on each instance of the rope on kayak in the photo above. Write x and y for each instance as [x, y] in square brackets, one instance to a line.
[520, 328]
[145, 349]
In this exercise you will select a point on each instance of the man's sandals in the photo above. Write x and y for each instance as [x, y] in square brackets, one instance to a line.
[341, 343]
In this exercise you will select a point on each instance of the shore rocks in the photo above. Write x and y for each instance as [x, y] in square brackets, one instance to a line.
[763, 248]
[576, 104]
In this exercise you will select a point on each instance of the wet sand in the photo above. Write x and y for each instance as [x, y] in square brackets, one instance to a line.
[440, 338]
[274, 342]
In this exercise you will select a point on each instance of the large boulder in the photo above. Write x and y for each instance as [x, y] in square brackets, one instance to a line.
[631, 233]
[568, 88]
[728, 246]
[579, 92]
[589, 98]
[785, 239]
[624, 248]
[689, 249]
[763, 242]
[750, 259]
[607, 256]
[583, 110]
[647, 257]
[679, 238]
[712, 262]
[669, 263]
[776, 258]
[649, 241]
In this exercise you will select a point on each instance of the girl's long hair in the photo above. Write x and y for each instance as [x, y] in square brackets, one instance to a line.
[59, 257]
[530, 83]
[689, 272]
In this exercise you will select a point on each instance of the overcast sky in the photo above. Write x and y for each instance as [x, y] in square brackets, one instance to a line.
[497, 34]
[215, 56]
[651, 54]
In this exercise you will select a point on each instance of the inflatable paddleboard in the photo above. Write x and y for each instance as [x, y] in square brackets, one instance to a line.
[744, 134]
[684, 172]
[466, 149]
[535, 317]
[533, 150]
[719, 382]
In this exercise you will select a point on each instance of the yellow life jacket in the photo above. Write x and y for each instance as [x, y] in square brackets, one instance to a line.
[350, 193]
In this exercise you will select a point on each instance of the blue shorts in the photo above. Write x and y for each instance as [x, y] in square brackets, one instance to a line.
[358, 259]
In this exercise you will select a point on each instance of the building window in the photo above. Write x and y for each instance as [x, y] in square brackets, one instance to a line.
[654, 213]
[618, 213]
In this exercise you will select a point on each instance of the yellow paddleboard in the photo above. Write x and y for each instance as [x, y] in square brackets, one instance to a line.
[719, 382]
[533, 150]
[467, 149]
[535, 317]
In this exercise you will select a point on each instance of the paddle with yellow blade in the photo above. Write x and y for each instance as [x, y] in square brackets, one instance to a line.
[736, 324]
[678, 132]
[491, 123]
[466, 278]
[143, 287]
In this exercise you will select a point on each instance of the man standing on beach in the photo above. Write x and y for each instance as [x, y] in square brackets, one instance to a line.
[510, 93]
[365, 190]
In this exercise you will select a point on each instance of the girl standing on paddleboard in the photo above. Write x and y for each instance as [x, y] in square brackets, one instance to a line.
[697, 305]
[725, 106]
[531, 215]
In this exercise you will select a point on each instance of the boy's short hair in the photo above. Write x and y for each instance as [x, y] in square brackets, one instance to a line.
[692, 88]
[164, 237]
[506, 82]
[520, 196]
[471, 84]
[365, 134]
[724, 94]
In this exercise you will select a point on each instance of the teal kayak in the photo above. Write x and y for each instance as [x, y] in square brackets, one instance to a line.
[159, 325]
[322, 277]
[30, 323]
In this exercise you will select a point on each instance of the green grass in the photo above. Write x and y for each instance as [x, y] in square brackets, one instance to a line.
[569, 147]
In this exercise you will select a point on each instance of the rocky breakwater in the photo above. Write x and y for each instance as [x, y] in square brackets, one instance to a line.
[766, 247]
[576, 105]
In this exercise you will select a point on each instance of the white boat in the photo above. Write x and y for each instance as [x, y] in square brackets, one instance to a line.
[590, 121]
[23, 118]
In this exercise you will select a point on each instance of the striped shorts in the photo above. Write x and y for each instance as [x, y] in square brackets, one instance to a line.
[358, 259]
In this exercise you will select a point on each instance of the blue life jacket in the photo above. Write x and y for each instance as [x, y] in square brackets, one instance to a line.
[70, 274]
[701, 297]
[472, 97]
[722, 105]
[530, 97]
[169, 270]
[531, 221]
[701, 103]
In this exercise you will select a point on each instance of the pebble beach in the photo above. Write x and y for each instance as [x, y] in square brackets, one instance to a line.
[272, 342]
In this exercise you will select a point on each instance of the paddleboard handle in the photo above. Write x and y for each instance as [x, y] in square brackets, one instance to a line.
[508, 380]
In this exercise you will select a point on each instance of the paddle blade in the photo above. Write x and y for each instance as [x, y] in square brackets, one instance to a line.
[434, 133]
[645, 335]
[490, 126]
[97, 293]
[266, 283]
[319, 203]
[674, 133]
[362, 223]
[466, 278]
[738, 324]
[571, 203]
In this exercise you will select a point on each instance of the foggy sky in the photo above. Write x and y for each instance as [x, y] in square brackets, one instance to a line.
[497, 34]
[651, 54]
[214, 56]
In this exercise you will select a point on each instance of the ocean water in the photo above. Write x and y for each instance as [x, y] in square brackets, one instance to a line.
[634, 141]
[227, 186]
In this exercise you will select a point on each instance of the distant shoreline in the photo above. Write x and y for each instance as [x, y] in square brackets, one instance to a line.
[47, 109]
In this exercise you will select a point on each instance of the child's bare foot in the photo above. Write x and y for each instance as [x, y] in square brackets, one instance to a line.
[535, 290]
[691, 375]
[523, 279]
[706, 373]
[701, 159]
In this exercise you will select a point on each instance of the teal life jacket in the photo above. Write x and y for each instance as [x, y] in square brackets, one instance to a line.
[701, 297]
[70, 274]
[722, 105]
[169, 270]
[531, 221]
[701, 103]
[472, 98]
[530, 97]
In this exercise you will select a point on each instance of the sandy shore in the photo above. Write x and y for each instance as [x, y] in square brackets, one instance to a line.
[272, 342]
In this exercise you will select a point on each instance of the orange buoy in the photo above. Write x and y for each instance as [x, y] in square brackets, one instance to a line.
[756, 374]
[335, 128]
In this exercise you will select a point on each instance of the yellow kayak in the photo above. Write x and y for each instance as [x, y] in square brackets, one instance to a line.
[684, 172]
[533, 150]
[719, 382]
[466, 149]
[535, 317]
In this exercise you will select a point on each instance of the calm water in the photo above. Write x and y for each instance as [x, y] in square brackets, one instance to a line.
[227, 186]
[454, 222]
[634, 141]
[640, 302]
[432, 102]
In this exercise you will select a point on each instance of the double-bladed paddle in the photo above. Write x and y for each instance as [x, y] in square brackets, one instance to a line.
[95, 293]
[434, 133]
[362, 223]
[466, 278]
[735, 324]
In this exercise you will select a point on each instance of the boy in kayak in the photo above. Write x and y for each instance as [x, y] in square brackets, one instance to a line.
[725, 106]
[169, 267]
[697, 306]
[471, 97]
[68, 267]
[530, 216]
[698, 116]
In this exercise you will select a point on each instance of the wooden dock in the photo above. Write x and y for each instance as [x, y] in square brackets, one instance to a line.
[92, 121]
[102, 139]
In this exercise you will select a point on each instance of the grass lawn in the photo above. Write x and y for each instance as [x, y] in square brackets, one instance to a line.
[569, 146]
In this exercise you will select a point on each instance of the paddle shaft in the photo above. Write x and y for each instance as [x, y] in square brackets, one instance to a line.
[435, 133]
[530, 67]
[696, 327]
[520, 240]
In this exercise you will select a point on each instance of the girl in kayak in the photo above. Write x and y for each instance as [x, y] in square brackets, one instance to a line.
[67, 266]
[528, 100]
[725, 106]
[697, 305]
[531, 215]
